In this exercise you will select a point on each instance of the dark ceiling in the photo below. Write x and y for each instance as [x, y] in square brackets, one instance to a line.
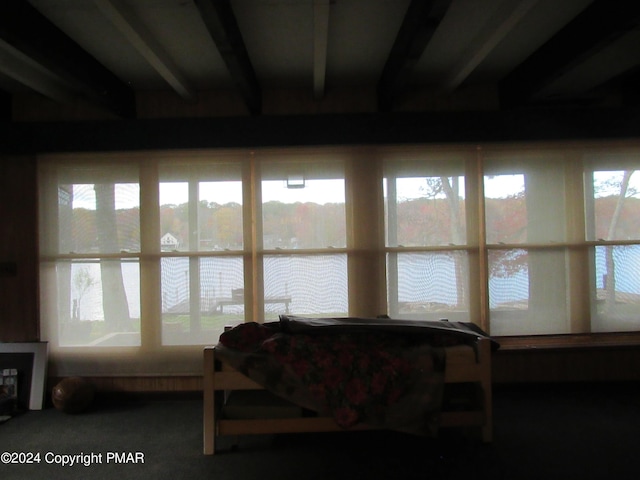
[531, 52]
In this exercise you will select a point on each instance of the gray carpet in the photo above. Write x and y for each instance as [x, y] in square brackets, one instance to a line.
[541, 432]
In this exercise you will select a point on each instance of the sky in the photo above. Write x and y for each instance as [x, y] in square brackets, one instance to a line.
[317, 191]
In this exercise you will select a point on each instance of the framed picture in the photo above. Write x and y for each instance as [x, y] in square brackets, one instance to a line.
[37, 355]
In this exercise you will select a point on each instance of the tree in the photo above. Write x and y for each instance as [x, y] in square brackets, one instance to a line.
[610, 283]
[452, 215]
[452, 194]
[506, 223]
[114, 297]
[226, 225]
[82, 281]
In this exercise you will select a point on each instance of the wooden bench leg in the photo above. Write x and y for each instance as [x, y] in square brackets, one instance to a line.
[485, 356]
[208, 414]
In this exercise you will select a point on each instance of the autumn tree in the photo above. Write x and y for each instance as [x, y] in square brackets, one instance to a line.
[226, 225]
[444, 222]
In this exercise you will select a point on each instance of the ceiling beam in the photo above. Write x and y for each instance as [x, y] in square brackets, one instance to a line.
[595, 28]
[223, 27]
[53, 64]
[420, 23]
[144, 42]
[507, 16]
[321, 11]
[24, 70]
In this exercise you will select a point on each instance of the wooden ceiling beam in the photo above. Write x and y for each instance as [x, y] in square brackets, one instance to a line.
[53, 64]
[492, 33]
[321, 12]
[420, 23]
[595, 28]
[22, 69]
[223, 27]
[144, 42]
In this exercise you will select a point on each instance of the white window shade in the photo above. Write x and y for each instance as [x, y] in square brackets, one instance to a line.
[524, 197]
[303, 203]
[201, 201]
[90, 225]
[612, 191]
[312, 285]
[304, 234]
[146, 256]
[426, 234]
[525, 221]
[425, 199]
[612, 199]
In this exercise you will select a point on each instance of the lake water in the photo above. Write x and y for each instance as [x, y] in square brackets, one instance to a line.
[318, 283]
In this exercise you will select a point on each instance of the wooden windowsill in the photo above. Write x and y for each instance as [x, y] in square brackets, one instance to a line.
[569, 341]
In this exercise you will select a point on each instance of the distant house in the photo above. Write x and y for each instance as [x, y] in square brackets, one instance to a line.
[168, 242]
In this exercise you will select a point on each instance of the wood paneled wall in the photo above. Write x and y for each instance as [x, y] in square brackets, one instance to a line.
[619, 364]
[19, 297]
[151, 384]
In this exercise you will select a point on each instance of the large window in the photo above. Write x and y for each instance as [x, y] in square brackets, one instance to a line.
[427, 236]
[304, 236]
[526, 235]
[612, 191]
[202, 244]
[147, 256]
[153, 255]
[91, 245]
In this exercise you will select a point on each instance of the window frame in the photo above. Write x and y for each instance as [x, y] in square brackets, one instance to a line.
[470, 162]
[270, 165]
[366, 248]
[601, 159]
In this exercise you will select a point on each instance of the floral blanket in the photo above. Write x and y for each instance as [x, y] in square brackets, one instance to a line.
[383, 378]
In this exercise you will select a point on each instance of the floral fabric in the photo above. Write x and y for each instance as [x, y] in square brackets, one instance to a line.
[382, 379]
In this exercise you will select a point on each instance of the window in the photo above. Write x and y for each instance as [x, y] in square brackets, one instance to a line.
[93, 254]
[526, 235]
[612, 199]
[147, 256]
[304, 236]
[202, 246]
[152, 255]
[427, 236]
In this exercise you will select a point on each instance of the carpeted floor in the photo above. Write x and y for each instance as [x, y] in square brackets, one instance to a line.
[545, 432]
